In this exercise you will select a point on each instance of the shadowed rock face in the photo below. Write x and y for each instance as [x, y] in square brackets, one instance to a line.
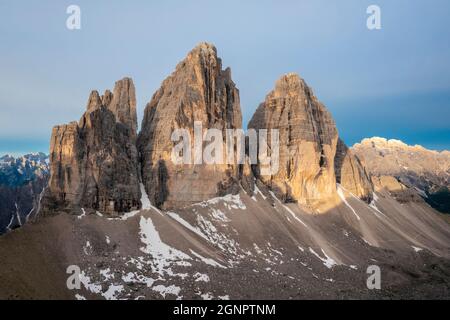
[122, 103]
[197, 91]
[351, 173]
[94, 163]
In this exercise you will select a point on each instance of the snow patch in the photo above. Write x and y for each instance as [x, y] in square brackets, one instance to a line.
[107, 274]
[163, 290]
[207, 296]
[201, 277]
[421, 192]
[131, 277]
[327, 261]
[163, 255]
[112, 292]
[295, 216]
[145, 200]
[10, 223]
[218, 215]
[18, 214]
[87, 248]
[257, 191]
[342, 196]
[128, 215]
[86, 281]
[208, 261]
[83, 214]
[231, 201]
[187, 225]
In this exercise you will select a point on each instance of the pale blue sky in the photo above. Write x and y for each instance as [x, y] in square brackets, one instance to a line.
[394, 82]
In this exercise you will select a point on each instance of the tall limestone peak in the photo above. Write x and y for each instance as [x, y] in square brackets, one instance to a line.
[289, 84]
[308, 145]
[107, 98]
[122, 103]
[199, 90]
[94, 101]
[93, 163]
[308, 139]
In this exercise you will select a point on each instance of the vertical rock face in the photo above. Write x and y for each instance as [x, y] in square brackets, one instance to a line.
[308, 139]
[66, 165]
[122, 103]
[93, 163]
[197, 91]
[351, 173]
[308, 147]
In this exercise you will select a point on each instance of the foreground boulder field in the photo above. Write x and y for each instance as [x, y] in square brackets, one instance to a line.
[140, 227]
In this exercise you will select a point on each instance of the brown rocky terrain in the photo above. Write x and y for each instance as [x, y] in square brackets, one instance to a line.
[426, 171]
[234, 247]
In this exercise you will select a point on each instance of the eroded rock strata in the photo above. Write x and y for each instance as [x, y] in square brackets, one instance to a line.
[197, 91]
[93, 162]
[309, 147]
[98, 163]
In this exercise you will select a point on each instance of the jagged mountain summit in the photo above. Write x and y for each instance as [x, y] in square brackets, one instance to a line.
[139, 226]
[415, 167]
[199, 90]
[312, 157]
[22, 180]
[94, 162]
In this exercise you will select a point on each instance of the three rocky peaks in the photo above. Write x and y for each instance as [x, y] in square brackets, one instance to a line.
[100, 163]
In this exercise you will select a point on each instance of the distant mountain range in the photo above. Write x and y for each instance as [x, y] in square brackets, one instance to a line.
[427, 171]
[22, 180]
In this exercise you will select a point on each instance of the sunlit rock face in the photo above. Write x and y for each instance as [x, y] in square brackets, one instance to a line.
[93, 162]
[308, 139]
[311, 157]
[197, 91]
